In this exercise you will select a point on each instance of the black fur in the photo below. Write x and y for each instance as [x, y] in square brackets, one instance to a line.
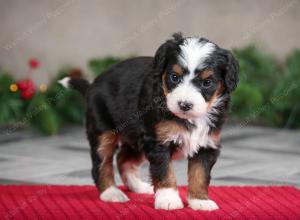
[226, 67]
[79, 84]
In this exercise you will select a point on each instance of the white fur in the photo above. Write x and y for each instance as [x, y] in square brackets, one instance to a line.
[168, 199]
[193, 53]
[135, 184]
[131, 177]
[205, 205]
[191, 141]
[113, 194]
[197, 138]
[65, 82]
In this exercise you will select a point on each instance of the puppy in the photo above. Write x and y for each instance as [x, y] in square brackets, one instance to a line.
[160, 108]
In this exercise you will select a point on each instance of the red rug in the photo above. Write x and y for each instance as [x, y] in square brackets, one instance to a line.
[81, 202]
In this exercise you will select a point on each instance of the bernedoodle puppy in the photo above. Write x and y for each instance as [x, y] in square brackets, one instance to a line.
[160, 108]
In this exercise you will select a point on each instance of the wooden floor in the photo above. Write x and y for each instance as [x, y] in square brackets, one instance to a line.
[250, 156]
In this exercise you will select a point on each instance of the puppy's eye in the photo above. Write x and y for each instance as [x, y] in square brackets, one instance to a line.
[175, 78]
[207, 83]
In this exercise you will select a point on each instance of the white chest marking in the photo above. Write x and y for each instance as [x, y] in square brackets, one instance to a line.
[191, 141]
[198, 137]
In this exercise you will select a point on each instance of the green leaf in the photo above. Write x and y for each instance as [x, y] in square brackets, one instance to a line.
[258, 69]
[11, 108]
[285, 98]
[42, 116]
[97, 66]
[246, 101]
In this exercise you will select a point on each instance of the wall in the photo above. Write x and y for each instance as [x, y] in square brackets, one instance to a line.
[69, 32]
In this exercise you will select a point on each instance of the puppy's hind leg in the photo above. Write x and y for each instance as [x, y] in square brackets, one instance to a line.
[129, 161]
[102, 171]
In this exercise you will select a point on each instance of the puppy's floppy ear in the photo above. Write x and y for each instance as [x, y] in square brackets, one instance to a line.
[231, 72]
[160, 59]
[161, 55]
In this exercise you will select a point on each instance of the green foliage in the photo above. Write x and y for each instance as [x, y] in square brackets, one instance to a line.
[5, 81]
[286, 96]
[275, 93]
[259, 74]
[11, 107]
[97, 66]
[246, 100]
[257, 69]
[292, 63]
[71, 107]
[42, 116]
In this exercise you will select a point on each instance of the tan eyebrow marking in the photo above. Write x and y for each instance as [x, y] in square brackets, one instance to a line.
[177, 69]
[163, 78]
[206, 73]
[217, 93]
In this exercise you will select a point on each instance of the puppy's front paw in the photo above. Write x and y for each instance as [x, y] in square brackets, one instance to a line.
[168, 199]
[203, 204]
[113, 194]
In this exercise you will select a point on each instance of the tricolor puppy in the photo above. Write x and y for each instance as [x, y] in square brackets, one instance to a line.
[159, 108]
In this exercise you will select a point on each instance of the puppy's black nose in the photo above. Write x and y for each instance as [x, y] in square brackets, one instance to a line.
[185, 106]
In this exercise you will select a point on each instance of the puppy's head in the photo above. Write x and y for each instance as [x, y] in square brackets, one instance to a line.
[194, 73]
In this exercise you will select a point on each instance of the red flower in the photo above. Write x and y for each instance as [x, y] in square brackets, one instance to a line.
[33, 63]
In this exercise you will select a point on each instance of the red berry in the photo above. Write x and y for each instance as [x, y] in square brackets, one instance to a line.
[27, 94]
[30, 83]
[22, 84]
[25, 84]
[33, 63]
[27, 88]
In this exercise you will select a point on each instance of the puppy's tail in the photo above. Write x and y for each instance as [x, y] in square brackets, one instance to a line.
[76, 83]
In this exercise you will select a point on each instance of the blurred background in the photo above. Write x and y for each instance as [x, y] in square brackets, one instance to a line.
[42, 137]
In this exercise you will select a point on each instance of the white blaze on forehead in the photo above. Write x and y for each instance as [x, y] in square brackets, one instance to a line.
[193, 53]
